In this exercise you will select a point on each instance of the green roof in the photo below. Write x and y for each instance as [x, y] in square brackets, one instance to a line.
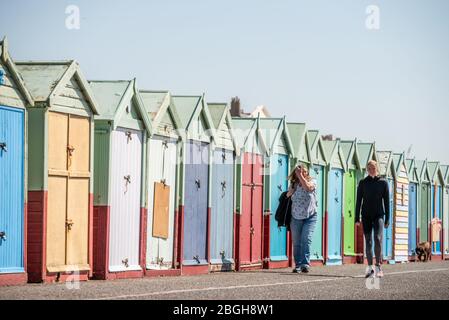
[433, 169]
[216, 111]
[153, 101]
[242, 127]
[313, 135]
[329, 147]
[383, 161]
[297, 136]
[364, 150]
[269, 129]
[445, 171]
[396, 160]
[42, 77]
[346, 147]
[185, 106]
[109, 94]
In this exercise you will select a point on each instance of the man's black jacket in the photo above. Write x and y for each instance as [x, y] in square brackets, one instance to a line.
[373, 197]
[284, 211]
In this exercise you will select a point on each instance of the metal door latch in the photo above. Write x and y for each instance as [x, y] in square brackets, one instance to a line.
[198, 183]
[197, 258]
[127, 178]
[3, 147]
[125, 262]
[70, 150]
[69, 224]
[222, 254]
[129, 136]
[280, 161]
[350, 214]
[160, 260]
[223, 156]
[251, 230]
[280, 187]
[165, 144]
[3, 235]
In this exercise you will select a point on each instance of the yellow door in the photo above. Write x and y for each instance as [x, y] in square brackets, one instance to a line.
[160, 210]
[78, 192]
[68, 192]
[57, 190]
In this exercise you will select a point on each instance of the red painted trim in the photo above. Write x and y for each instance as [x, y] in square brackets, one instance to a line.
[101, 241]
[266, 240]
[349, 259]
[317, 263]
[342, 238]
[36, 230]
[175, 240]
[418, 235]
[195, 270]
[234, 246]
[91, 233]
[359, 247]
[143, 238]
[13, 279]
[25, 237]
[221, 267]
[289, 249]
[244, 267]
[237, 241]
[277, 264]
[64, 277]
[163, 273]
[134, 274]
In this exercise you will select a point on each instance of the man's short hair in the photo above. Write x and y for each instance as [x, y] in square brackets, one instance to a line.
[372, 163]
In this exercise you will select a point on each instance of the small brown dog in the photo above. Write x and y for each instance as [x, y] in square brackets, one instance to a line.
[423, 251]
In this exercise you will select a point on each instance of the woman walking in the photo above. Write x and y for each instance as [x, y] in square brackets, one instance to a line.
[302, 191]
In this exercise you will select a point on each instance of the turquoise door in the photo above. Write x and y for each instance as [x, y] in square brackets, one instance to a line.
[388, 232]
[334, 216]
[11, 189]
[279, 184]
[412, 218]
[316, 249]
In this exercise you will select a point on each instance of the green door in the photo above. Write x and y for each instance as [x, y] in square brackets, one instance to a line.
[424, 213]
[349, 212]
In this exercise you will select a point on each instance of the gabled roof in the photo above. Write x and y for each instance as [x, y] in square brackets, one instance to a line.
[423, 171]
[157, 103]
[9, 63]
[272, 130]
[350, 151]
[332, 150]
[367, 152]
[436, 175]
[385, 163]
[412, 170]
[46, 79]
[445, 172]
[245, 128]
[189, 108]
[398, 160]
[315, 144]
[298, 136]
[220, 113]
[113, 97]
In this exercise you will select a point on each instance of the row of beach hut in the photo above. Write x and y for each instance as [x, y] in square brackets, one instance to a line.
[108, 181]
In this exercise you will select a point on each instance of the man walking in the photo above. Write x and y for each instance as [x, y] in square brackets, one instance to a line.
[373, 198]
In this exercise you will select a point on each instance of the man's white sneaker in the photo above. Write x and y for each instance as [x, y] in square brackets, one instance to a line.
[369, 272]
[379, 272]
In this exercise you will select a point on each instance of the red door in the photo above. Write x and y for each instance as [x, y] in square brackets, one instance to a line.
[250, 238]
[257, 210]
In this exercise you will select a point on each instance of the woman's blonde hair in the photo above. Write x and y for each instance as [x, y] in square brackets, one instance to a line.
[294, 179]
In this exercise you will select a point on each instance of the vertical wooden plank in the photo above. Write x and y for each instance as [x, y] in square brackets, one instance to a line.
[412, 218]
[78, 214]
[56, 219]
[257, 209]
[316, 250]
[58, 141]
[161, 210]
[79, 140]
[349, 213]
[334, 216]
[423, 213]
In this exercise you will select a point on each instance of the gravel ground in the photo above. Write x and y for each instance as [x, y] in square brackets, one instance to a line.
[401, 281]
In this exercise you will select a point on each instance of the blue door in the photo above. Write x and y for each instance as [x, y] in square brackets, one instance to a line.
[279, 184]
[388, 232]
[412, 218]
[316, 249]
[11, 189]
[335, 211]
[222, 211]
[195, 203]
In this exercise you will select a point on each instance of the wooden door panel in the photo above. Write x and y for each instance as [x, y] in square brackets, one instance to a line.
[245, 226]
[56, 219]
[79, 140]
[78, 214]
[58, 140]
[161, 210]
[256, 223]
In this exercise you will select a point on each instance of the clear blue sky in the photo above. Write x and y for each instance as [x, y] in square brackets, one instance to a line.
[314, 61]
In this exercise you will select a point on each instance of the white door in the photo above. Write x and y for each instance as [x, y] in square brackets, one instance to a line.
[126, 175]
[162, 168]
